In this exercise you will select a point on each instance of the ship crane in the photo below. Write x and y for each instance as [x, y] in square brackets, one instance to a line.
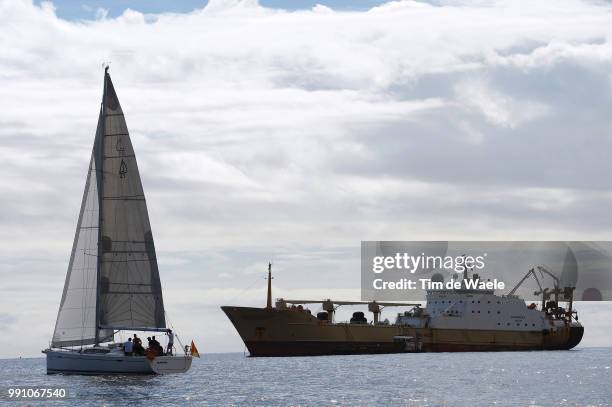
[546, 292]
[542, 291]
[556, 290]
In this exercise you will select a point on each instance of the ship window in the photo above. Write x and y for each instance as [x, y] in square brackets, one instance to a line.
[532, 324]
[479, 311]
[479, 301]
[498, 323]
[525, 324]
[488, 302]
[518, 324]
[508, 324]
[498, 312]
[472, 311]
[498, 302]
[488, 312]
[472, 301]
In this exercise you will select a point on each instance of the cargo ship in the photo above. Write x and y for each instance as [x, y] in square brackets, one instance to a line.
[459, 320]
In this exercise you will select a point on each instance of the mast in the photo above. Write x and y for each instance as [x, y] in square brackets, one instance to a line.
[100, 179]
[269, 301]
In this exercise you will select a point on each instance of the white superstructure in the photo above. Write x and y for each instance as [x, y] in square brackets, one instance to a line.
[479, 310]
[463, 309]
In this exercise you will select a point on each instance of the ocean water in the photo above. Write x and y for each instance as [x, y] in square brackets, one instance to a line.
[581, 377]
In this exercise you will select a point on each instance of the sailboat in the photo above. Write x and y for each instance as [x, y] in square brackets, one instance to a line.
[112, 284]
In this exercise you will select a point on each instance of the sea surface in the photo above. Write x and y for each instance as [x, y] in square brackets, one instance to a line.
[581, 377]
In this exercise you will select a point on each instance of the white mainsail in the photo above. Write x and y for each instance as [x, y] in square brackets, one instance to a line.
[113, 279]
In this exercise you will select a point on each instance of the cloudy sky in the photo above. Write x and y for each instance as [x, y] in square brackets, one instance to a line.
[291, 135]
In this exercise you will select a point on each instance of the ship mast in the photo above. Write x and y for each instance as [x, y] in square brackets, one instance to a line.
[269, 298]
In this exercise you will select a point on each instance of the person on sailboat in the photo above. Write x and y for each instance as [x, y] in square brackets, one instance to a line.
[128, 347]
[170, 342]
[138, 349]
[157, 346]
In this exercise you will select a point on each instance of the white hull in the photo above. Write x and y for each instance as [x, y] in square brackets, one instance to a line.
[171, 364]
[69, 362]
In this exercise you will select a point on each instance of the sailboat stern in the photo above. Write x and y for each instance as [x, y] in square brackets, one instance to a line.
[171, 364]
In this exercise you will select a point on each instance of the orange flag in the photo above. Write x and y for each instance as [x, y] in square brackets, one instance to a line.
[194, 350]
[151, 354]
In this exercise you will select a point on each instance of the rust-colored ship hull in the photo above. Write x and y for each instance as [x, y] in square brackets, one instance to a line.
[287, 332]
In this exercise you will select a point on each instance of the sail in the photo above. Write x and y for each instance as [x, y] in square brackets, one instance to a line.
[76, 319]
[129, 292]
[112, 279]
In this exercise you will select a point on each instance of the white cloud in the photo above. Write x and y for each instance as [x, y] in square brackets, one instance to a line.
[320, 8]
[497, 108]
[263, 132]
[101, 13]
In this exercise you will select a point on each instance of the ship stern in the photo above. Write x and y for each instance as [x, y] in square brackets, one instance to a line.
[576, 333]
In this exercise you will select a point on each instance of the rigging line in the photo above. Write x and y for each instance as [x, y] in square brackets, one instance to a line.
[244, 290]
